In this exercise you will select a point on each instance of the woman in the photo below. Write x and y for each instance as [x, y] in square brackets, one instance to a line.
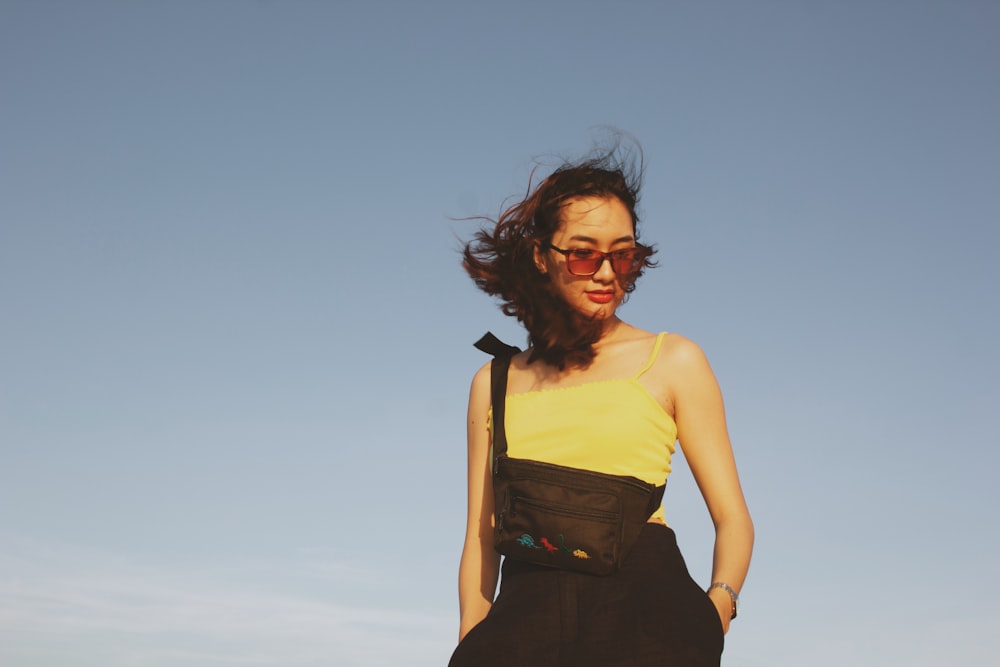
[594, 392]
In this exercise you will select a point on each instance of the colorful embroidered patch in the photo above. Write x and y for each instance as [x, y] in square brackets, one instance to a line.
[528, 541]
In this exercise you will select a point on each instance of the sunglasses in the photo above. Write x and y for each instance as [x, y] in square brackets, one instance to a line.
[587, 262]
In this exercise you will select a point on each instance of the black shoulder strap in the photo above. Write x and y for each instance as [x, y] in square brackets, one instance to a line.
[656, 499]
[502, 353]
[490, 344]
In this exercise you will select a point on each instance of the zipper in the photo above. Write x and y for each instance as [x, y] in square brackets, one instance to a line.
[565, 510]
[503, 510]
[579, 473]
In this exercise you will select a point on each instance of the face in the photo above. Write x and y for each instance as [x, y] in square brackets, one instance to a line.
[589, 223]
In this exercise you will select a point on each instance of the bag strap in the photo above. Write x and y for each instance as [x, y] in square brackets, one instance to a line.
[490, 344]
[655, 499]
[502, 353]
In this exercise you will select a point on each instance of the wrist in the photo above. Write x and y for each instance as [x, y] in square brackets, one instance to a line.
[734, 597]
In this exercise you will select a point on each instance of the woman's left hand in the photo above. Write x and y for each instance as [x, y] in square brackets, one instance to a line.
[723, 605]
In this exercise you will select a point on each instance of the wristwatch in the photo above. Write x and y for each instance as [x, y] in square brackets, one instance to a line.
[733, 595]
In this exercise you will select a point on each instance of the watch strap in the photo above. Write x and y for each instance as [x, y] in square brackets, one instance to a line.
[733, 595]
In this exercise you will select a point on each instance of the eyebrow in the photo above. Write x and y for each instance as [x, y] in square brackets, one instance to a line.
[589, 239]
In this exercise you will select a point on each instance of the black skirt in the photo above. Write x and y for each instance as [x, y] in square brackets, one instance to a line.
[650, 612]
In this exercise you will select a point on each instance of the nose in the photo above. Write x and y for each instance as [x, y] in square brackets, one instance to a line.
[605, 273]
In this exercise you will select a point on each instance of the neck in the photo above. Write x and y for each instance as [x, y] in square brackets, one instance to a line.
[610, 328]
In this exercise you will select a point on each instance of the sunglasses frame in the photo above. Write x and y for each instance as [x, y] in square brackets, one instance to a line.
[642, 252]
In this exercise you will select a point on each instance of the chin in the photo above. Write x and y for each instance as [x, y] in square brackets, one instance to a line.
[599, 313]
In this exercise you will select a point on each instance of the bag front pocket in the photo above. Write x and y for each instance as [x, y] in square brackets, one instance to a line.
[583, 535]
[566, 517]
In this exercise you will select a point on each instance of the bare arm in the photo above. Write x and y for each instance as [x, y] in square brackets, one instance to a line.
[480, 564]
[701, 428]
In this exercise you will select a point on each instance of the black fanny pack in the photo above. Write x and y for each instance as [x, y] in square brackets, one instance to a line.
[557, 515]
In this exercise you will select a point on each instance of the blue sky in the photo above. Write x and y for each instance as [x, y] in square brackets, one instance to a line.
[235, 338]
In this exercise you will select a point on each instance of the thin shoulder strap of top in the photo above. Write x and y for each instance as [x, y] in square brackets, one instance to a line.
[652, 357]
[498, 386]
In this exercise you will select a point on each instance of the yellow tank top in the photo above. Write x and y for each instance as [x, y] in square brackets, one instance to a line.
[610, 426]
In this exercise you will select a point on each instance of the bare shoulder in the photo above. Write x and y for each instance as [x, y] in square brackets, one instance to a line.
[680, 367]
[480, 389]
[681, 353]
[482, 374]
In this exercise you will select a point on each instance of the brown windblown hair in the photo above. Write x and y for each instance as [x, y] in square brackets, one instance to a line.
[500, 258]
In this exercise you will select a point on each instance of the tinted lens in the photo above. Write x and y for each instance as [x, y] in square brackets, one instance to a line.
[583, 266]
[625, 262]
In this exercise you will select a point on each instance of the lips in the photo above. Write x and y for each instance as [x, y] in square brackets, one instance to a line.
[601, 296]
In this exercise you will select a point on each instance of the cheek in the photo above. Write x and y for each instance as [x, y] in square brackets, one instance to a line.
[559, 286]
